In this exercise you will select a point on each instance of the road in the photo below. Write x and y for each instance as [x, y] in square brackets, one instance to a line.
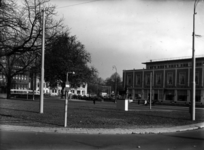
[188, 140]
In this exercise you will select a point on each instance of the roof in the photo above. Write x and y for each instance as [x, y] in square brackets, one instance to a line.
[182, 59]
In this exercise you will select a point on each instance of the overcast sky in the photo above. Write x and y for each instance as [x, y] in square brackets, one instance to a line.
[126, 33]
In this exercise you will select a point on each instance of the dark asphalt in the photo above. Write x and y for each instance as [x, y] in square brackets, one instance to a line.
[188, 140]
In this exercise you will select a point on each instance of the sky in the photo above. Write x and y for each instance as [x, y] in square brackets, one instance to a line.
[126, 33]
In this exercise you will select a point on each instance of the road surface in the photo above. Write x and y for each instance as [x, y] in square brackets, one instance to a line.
[188, 140]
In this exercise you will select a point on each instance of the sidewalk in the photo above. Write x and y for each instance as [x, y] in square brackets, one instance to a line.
[100, 130]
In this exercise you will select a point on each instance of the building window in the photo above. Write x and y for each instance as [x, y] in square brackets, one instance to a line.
[169, 95]
[138, 79]
[84, 85]
[182, 95]
[138, 94]
[182, 78]
[161, 94]
[158, 79]
[147, 79]
[197, 78]
[129, 79]
[198, 64]
[198, 95]
[78, 92]
[169, 78]
[145, 94]
[83, 92]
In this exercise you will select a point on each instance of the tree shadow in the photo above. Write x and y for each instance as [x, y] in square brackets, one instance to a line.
[24, 99]
[30, 121]
[19, 110]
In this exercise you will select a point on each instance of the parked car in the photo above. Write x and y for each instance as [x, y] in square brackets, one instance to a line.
[130, 100]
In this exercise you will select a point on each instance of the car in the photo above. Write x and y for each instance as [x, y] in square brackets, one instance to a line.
[130, 100]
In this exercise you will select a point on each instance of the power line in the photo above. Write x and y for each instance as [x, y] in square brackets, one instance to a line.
[79, 4]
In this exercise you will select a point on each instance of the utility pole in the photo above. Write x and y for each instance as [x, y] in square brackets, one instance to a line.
[42, 64]
[193, 93]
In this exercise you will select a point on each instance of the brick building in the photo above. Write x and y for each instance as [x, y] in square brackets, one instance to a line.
[171, 80]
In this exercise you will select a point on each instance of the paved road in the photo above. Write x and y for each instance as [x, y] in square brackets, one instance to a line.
[188, 140]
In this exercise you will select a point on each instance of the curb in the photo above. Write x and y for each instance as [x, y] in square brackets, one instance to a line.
[100, 130]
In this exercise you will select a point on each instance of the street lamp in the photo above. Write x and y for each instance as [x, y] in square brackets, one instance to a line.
[193, 65]
[67, 86]
[42, 65]
[114, 67]
[67, 79]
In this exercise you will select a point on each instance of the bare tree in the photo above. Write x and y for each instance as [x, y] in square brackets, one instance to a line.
[21, 27]
[21, 32]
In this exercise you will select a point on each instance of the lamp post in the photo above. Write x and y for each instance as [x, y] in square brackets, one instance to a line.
[67, 86]
[42, 65]
[67, 80]
[114, 67]
[192, 109]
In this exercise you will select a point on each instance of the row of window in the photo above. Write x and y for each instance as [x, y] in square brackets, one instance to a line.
[182, 79]
[17, 77]
[182, 95]
[20, 77]
[78, 92]
[173, 65]
[20, 86]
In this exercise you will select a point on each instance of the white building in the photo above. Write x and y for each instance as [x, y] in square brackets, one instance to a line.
[80, 90]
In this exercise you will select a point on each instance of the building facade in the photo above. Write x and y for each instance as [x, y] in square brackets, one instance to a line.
[56, 91]
[80, 90]
[170, 80]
